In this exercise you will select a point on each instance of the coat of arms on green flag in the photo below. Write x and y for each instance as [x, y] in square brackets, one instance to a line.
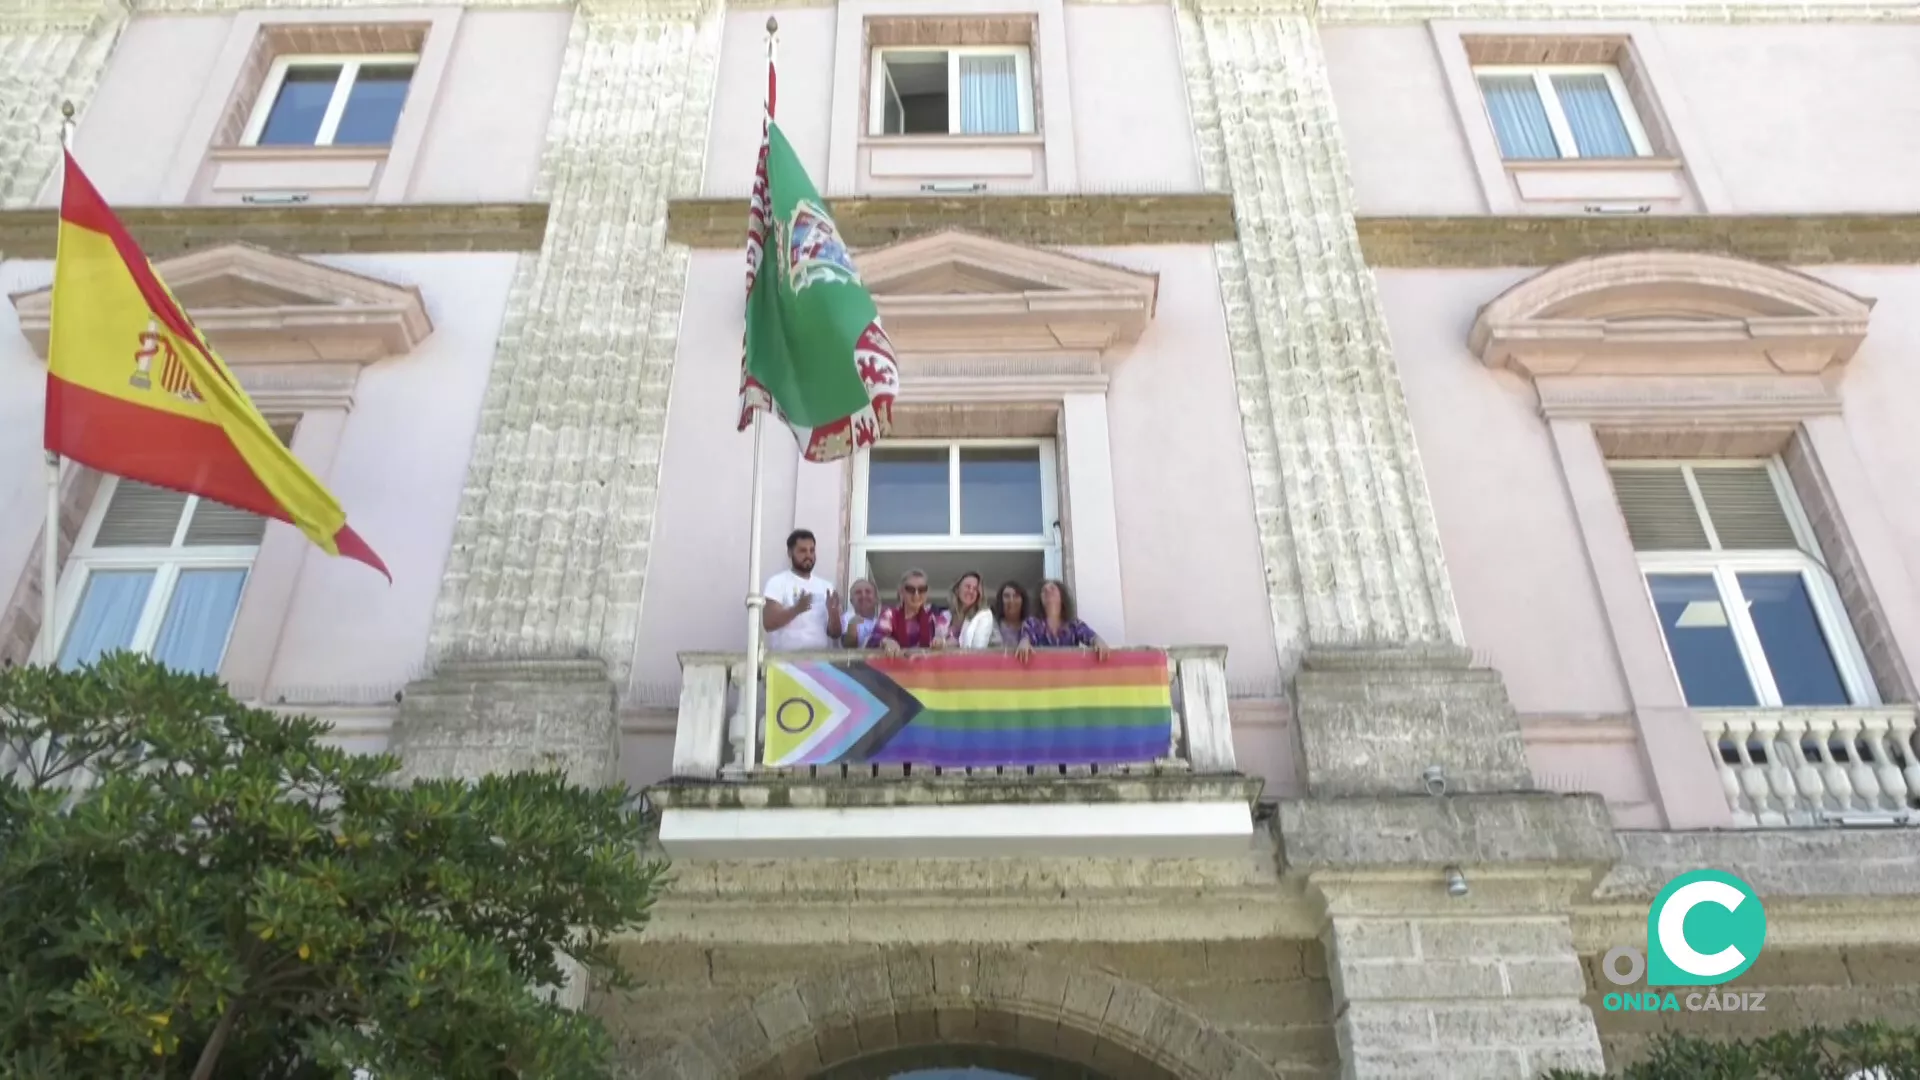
[816, 356]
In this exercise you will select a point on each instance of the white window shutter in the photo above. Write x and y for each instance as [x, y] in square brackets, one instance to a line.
[1745, 509]
[218, 525]
[140, 515]
[1659, 509]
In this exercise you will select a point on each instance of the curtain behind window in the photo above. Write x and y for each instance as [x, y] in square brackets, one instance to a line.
[989, 95]
[1519, 118]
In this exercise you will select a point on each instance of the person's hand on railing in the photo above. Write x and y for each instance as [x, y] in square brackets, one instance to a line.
[890, 646]
[1023, 652]
[1100, 651]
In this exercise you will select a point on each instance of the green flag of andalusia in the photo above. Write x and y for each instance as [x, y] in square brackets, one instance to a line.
[816, 356]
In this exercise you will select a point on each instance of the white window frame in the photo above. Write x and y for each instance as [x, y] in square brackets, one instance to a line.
[350, 65]
[166, 563]
[1542, 75]
[1047, 543]
[1725, 567]
[880, 89]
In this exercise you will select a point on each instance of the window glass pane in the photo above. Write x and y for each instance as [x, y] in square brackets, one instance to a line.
[907, 493]
[199, 616]
[989, 95]
[1594, 116]
[1000, 491]
[1519, 119]
[1700, 641]
[109, 613]
[373, 105]
[1790, 635]
[919, 81]
[300, 105]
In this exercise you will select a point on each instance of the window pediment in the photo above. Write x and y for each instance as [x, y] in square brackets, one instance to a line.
[1670, 313]
[956, 292]
[258, 307]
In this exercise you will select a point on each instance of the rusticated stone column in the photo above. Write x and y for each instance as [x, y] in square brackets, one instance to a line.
[550, 546]
[50, 51]
[1359, 590]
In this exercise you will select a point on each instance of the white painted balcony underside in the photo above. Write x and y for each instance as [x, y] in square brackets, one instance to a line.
[1193, 829]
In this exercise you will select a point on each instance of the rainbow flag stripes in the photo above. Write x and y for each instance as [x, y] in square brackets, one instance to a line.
[969, 709]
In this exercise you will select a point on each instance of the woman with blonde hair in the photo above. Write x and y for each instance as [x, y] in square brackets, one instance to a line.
[970, 613]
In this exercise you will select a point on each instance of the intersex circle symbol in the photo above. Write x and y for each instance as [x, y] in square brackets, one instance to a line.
[780, 715]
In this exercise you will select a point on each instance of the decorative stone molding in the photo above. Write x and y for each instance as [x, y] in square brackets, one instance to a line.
[1542, 240]
[1084, 220]
[258, 307]
[1682, 11]
[549, 551]
[953, 292]
[164, 231]
[998, 996]
[1346, 527]
[1669, 314]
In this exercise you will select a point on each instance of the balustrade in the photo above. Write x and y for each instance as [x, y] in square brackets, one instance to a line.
[1810, 767]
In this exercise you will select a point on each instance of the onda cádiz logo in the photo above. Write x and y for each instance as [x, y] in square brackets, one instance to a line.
[1704, 929]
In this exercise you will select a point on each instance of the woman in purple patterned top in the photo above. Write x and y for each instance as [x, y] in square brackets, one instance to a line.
[1056, 626]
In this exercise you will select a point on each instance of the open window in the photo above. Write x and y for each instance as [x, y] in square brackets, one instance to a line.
[972, 90]
[950, 506]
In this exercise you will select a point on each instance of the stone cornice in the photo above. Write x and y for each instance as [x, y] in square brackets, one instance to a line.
[1686, 11]
[1487, 241]
[1079, 220]
[302, 230]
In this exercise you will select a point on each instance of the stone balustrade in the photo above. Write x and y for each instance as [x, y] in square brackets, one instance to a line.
[1813, 767]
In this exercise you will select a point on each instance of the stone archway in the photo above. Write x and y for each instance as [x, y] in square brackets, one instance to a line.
[1003, 998]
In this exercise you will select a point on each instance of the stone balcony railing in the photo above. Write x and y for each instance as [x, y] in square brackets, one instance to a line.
[1817, 767]
[834, 788]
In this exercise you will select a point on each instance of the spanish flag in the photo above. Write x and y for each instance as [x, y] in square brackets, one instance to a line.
[133, 388]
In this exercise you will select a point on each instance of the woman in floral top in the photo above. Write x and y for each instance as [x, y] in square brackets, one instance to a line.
[1056, 626]
[912, 625]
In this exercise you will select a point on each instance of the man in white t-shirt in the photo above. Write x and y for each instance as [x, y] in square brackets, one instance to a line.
[803, 612]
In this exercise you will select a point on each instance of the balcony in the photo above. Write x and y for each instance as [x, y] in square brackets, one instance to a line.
[948, 754]
[1804, 768]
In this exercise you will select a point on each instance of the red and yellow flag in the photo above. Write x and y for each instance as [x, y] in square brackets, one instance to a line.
[133, 388]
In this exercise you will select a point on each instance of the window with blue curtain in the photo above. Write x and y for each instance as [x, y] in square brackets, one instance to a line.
[1599, 131]
[989, 95]
[1519, 117]
[164, 573]
[1546, 113]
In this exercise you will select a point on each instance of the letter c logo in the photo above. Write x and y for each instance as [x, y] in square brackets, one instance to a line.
[1673, 928]
[1704, 929]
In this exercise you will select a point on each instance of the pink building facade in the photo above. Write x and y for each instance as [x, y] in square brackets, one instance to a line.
[1495, 413]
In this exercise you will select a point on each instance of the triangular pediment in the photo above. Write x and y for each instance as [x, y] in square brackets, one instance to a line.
[958, 292]
[259, 306]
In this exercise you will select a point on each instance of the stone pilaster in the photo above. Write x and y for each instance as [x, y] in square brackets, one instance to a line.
[1477, 976]
[1344, 515]
[550, 548]
[540, 605]
[50, 51]
[1359, 589]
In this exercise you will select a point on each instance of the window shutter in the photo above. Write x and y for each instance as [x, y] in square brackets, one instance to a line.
[1745, 509]
[140, 515]
[218, 525]
[1659, 509]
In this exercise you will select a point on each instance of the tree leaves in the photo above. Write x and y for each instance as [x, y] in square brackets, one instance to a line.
[1858, 1051]
[170, 858]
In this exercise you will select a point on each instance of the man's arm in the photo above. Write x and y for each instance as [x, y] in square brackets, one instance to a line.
[776, 615]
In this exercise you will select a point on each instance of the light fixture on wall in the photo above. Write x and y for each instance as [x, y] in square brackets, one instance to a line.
[1435, 779]
[1456, 883]
[281, 199]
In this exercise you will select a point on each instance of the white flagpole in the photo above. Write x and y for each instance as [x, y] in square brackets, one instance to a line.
[756, 602]
[50, 555]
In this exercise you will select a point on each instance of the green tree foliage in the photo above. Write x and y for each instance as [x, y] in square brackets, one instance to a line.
[193, 888]
[1858, 1051]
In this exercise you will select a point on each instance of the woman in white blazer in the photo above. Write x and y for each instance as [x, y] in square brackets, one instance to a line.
[971, 617]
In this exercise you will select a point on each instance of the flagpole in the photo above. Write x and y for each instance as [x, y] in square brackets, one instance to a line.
[50, 553]
[756, 602]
